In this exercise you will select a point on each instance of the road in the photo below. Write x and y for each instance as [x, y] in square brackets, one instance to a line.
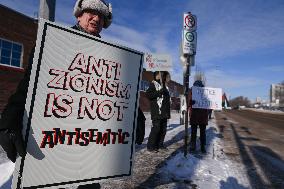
[257, 140]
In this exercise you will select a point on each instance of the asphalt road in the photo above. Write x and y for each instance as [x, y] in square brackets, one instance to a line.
[257, 140]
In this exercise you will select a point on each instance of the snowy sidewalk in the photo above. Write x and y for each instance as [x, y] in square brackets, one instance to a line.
[170, 169]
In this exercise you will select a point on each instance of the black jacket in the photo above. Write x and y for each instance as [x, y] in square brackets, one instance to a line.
[140, 130]
[153, 95]
[12, 116]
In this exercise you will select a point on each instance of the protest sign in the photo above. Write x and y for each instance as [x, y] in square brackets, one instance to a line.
[158, 62]
[207, 98]
[80, 110]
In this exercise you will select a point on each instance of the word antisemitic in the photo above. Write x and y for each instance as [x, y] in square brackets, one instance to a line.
[57, 136]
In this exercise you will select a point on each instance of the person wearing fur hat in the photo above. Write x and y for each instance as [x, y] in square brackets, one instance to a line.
[198, 117]
[92, 16]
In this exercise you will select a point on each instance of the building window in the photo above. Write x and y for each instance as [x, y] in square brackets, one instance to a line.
[10, 53]
[144, 85]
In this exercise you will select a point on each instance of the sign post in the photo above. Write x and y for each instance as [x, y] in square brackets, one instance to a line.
[189, 43]
[80, 112]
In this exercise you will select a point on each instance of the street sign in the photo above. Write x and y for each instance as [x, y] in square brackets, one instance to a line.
[158, 62]
[189, 42]
[80, 112]
[189, 22]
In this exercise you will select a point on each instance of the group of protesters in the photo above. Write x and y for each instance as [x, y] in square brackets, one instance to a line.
[159, 96]
[92, 16]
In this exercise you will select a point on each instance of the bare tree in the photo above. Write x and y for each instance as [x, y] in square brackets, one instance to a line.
[240, 101]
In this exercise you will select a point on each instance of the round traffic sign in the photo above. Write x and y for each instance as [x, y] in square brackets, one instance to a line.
[189, 36]
[189, 21]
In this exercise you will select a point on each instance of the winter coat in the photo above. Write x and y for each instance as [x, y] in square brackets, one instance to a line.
[140, 130]
[155, 96]
[197, 116]
[12, 115]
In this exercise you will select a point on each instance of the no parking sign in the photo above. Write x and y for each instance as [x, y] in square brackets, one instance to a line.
[189, 22]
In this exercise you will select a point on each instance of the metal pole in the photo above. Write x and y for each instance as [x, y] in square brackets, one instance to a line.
[186, 75]
[47, 9]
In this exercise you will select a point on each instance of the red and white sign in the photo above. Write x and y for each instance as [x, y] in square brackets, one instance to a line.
[80, 110]
[189, 22]
[158, 62]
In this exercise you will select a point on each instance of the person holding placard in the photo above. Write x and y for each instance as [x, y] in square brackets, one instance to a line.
[198, 117]
[92, 16]
[159, 96]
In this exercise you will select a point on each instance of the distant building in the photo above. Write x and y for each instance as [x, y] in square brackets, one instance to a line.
[258, 100]
[17, 38]
[277, 94]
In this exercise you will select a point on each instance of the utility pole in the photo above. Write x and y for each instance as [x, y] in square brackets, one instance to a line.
[189, 42]
[47, 9]
[186, 74]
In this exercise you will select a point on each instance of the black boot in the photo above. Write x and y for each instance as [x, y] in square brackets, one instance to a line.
[192, 147]
[203, 149]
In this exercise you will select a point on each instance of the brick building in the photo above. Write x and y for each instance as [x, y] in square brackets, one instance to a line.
[175, 90]
[17, 38]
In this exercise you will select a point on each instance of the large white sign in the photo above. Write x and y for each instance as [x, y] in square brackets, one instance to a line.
[158, 62]
[207, 98]
[80, 111]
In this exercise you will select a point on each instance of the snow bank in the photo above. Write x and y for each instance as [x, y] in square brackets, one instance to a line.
[213, 170]
[6, 171]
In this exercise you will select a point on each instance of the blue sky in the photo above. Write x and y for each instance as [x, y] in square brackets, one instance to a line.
[240, 45]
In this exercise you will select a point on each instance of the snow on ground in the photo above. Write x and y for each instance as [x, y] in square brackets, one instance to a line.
[213, 170]
[266, 111]
[6, 171]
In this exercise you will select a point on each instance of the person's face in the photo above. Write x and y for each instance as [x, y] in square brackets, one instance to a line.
[157, 77]
[168, 78]
[91, 21]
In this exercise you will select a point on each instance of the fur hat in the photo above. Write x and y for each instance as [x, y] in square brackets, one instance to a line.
[198, 83]
[98, 5]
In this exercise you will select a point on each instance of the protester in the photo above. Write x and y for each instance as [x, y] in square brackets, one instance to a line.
[92, 16]
[199, 117]
[140, 130]
[210, 113]
[159, 96]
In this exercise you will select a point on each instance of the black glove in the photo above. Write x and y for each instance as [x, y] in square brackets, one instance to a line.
[12, 143]
[165, 91]
[160, 93]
